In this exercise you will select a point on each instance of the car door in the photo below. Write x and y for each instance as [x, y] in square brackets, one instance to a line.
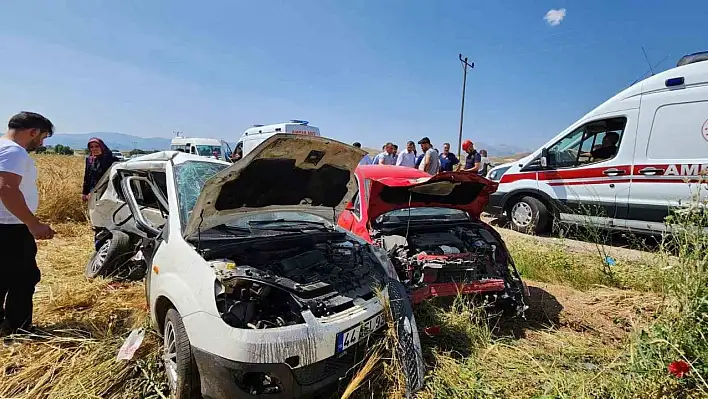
[592, 185]
[671, 156]
[354, 218]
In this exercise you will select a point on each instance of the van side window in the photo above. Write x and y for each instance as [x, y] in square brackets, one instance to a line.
[593, 142]
[679, 131]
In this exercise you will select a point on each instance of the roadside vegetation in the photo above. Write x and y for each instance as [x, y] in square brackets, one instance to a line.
[635, 327]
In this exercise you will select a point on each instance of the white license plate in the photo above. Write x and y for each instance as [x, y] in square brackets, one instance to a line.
[355, 334]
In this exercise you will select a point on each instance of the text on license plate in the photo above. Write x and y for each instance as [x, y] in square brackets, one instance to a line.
[355, 334]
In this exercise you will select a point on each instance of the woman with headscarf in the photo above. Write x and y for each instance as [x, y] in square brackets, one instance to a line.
[98, 162]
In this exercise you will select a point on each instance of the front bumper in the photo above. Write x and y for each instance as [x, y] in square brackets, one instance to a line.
[223, 378]
[494, 206]
[453, 289]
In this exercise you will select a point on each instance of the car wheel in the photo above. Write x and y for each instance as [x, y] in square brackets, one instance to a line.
[528, 215]
[113, 252]
[181, 370]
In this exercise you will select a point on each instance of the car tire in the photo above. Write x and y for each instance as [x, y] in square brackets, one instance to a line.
[113, 252]
[528, 215]
[181, 370]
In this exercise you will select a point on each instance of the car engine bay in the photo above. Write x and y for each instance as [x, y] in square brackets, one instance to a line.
[269, 283]
[431, 254]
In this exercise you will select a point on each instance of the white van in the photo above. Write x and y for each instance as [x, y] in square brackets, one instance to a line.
[212, 148]
[259, 133]
[622, 166]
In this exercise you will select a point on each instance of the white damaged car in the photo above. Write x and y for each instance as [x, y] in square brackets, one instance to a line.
[254, 288]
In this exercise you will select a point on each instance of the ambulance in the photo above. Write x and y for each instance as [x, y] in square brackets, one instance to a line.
[623, 166]
[259, 133]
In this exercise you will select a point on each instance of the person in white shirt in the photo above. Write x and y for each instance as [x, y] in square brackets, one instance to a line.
[19, 226]
[407, 158]
[367, 159]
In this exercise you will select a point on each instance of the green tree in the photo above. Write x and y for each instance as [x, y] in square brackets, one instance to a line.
[41, 150]
[67, 151]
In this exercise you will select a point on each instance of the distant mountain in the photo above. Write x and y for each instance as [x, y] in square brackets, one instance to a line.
[114, 141]
[500, 150]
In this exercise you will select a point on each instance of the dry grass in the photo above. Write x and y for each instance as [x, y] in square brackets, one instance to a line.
[60, 179]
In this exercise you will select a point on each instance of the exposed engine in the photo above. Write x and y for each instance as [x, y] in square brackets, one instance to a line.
[270, 284]
[458, 254]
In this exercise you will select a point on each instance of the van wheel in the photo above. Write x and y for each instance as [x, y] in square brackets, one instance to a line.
[528, 215]
[113, 252]
[181, 370]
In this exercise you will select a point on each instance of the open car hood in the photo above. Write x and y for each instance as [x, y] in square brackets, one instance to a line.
[286, 172]
[465, 191]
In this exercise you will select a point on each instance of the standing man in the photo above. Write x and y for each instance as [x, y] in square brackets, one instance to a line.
[473, 160]
[367, 159]
[407, 158]
[485, 163]
[431, 159]
[386, 157]
[395, 153]
[19, 227]
[447, 159]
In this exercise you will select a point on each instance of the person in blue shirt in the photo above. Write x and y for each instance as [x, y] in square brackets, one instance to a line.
[473, 160]
[367, 159]
[419, 159]
[386, 157]
[447, 159]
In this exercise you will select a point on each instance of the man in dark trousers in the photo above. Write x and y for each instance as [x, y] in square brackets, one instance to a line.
[19, 227]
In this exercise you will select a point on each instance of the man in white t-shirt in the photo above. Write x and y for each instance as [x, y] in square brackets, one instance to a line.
[19, 227]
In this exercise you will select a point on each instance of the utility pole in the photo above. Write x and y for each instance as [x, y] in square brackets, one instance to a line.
[465, 65]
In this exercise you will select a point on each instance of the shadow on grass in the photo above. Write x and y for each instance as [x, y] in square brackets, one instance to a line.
[543, 313]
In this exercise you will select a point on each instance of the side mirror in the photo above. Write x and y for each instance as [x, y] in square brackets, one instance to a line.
[142, 223]
[544, 157]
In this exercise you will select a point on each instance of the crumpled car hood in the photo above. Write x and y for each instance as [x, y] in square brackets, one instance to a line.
[465, 191]
[285, 172]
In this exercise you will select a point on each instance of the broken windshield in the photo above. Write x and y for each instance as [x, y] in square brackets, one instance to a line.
[190, 177]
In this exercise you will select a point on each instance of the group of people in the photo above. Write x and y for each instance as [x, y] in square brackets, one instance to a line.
[430, 160]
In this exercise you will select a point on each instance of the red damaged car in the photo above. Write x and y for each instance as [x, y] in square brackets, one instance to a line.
[431, 229]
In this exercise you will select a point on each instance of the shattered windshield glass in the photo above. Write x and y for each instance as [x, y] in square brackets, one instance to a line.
[191, 176]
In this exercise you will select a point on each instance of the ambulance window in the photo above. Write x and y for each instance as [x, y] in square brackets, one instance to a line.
[679, 132]
[593, 142]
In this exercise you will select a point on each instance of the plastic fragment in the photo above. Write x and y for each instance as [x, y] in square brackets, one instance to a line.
[610, 261]
[131, 344]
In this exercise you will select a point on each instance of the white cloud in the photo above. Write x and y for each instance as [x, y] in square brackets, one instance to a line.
[554, 17]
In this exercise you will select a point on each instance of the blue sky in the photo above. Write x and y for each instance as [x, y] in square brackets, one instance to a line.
[360, 70]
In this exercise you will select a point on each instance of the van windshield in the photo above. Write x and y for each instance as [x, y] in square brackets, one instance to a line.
[208, 150]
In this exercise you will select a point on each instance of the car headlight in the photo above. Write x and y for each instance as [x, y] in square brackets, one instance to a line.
[496, 174]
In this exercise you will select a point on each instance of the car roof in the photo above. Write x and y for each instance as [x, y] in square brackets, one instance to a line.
[176, 156]
[389, 171]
